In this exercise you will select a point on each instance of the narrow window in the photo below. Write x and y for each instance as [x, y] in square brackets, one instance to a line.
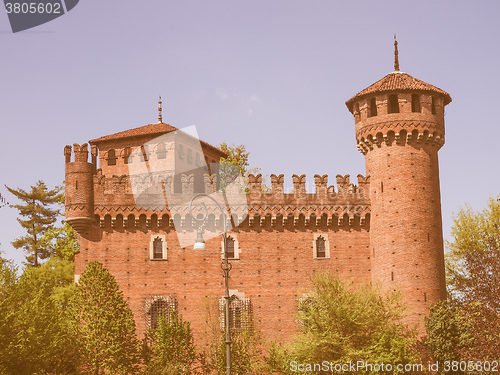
[381, 187]
[230, 247]
[392, 276]
[126, 155]
[144, 153]
[433, 106]
[111, 157]
[190, 156]
[393, 104]
[157, 248]
[356, 111]
[320, 247]
[180, 152]
[415, 103]
[425, 297]
[161, 151]
[372, 111]
[76, 184]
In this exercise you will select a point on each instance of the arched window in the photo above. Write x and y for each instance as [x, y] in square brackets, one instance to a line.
[111, 157]
[190, 156]
[433, 106]
[372, 110]
[393, 105]
[415, 103]
[320, 247]
[160, 305]
[230, 247]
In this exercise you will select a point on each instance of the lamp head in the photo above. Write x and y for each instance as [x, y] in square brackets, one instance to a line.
[199, 244]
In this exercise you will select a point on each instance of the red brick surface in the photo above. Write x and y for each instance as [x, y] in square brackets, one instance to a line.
[386, 230]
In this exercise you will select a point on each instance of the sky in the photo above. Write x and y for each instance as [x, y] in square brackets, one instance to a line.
[272, 75]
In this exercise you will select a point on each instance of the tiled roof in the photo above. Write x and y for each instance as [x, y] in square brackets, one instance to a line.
[147, 130]
[151, 129]
[398, 81]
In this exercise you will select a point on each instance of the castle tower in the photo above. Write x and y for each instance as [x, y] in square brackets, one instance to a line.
[80, 186]
[399, 122]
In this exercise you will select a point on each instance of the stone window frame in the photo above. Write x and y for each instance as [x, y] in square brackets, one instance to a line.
[327, 245]
[151, 247]
[237, 249]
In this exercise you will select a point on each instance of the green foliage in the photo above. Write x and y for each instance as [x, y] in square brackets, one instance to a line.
[103, 324]
[61, 242]
[245, 347]
[444, 336]
[236, 156]
[35, 338]
[473, 262]
[172, 349]
[342, 323]
[39, 217]
[473, 277]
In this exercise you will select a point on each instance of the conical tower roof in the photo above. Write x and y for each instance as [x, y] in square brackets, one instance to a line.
[398, 81]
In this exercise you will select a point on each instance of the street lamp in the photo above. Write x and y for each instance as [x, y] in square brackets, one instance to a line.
[225, 265]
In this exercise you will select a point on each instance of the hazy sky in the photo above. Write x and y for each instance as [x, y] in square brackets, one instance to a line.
[272, 75]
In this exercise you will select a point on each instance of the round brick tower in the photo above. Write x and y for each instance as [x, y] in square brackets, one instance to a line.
[79, 183]
[399, 123]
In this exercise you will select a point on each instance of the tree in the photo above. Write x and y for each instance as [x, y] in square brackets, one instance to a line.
[245, 347]
[35, 338]
[473, 276]
[61, 242]
[171, 346]
[342, 323]
[236, 156]
[39, 217]
[103, 324]
[473, 262]
[445, 338]
[235, 164]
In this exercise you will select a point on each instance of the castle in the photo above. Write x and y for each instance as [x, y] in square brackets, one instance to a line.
[385, 230]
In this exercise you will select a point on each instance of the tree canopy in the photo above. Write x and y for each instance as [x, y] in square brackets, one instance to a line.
[103, 324]
[37, 217]
[342, 322]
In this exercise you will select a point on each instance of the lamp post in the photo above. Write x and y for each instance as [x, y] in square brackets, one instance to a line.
[225, 265]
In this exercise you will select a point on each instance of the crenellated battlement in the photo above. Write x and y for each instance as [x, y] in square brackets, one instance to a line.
[347, 204]
[80, 153]
[345, 189]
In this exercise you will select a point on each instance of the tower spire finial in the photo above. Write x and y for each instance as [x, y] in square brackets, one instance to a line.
[159, 111]
[396, 59]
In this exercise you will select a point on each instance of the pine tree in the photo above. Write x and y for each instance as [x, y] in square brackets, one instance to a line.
[39, 217]
[103, 324]
[172, 347]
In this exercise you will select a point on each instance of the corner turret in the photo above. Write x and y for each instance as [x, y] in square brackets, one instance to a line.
[80, 186]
